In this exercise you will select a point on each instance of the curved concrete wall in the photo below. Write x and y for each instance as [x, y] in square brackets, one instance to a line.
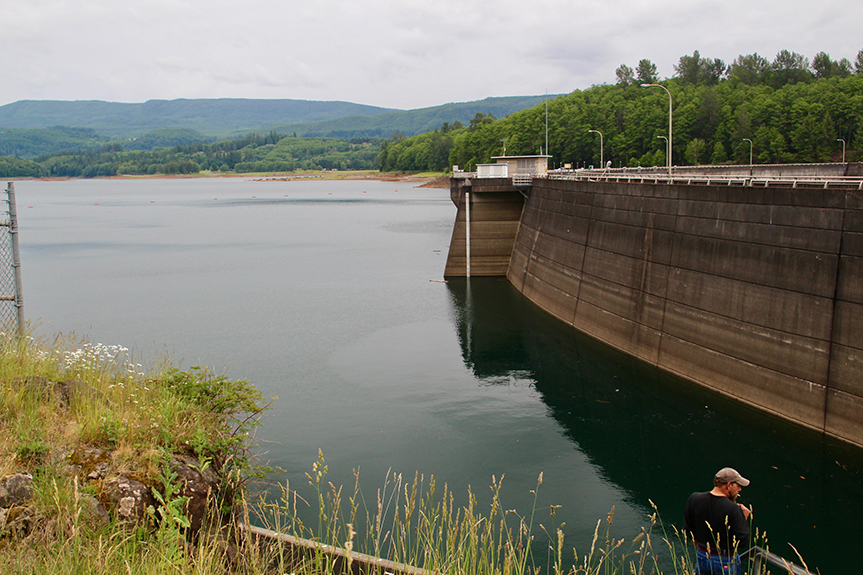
[756, 293]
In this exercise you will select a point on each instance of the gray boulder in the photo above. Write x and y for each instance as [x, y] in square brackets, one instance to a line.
[16, 489]
[128, 498]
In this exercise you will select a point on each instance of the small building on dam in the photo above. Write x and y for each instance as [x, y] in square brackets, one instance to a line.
[747, 280]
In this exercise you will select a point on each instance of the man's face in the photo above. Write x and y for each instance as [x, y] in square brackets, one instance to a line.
[733, 491]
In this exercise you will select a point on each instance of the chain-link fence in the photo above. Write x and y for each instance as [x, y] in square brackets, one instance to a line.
[11, 311]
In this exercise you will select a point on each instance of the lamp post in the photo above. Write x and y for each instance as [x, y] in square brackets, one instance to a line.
[750, 149]
[843, 149]
[668, 155]
[666, 145]
[601, 156]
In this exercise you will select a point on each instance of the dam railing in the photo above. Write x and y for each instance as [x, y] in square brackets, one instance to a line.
[634, 177]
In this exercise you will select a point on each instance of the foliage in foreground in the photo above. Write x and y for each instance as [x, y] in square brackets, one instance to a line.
[110, 402]
[61, 399]
[411, 523]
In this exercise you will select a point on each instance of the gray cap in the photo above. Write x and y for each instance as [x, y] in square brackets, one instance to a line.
[729, 475]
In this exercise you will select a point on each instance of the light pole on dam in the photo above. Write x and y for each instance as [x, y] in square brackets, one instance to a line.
[601, 157]
[668, 155]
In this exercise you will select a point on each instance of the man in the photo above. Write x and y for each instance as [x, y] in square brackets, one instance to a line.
[718, 524]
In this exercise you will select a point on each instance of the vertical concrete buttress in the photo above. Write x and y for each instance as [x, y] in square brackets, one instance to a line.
[495, 213]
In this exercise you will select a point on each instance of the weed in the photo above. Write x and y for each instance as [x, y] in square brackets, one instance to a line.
[169, 515]
[31, 453]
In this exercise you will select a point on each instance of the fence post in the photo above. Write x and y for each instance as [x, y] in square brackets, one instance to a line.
[17, 297]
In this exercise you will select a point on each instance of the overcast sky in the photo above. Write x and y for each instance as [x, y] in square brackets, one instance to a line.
[393, 53]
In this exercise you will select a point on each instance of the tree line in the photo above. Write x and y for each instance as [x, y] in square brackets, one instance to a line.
[786, 68]
[790, 109]
[270, 152]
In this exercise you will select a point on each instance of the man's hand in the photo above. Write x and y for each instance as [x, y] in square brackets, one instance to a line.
[746, 511]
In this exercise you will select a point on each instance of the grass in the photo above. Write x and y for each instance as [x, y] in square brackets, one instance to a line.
[62, 396]
[414, 522]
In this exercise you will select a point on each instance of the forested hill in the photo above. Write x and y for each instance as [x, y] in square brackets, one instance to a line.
[785, 111]
[224, 118]
[410, 122]
[213, 117]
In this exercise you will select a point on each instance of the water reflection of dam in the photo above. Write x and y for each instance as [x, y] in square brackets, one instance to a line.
[659, 437]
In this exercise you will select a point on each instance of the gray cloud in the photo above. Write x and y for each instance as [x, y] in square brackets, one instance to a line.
[393, 53]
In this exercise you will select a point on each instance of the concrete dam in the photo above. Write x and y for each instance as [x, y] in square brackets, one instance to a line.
[745, 280]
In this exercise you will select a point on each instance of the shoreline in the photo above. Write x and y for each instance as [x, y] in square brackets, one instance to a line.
[273, 176]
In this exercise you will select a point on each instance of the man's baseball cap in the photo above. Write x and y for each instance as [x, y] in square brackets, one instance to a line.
[728, 475]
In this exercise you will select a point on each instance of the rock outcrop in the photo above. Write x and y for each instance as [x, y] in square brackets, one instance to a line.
[126, 497]
[16, 491]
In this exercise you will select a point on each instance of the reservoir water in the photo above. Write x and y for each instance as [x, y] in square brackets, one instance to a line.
[328, 294]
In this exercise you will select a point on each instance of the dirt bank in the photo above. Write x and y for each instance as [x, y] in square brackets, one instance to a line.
[429, 180]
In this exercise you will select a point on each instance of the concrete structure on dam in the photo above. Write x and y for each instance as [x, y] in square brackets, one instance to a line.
[748, 282]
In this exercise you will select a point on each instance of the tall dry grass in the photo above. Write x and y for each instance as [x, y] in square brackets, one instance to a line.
[415, 522]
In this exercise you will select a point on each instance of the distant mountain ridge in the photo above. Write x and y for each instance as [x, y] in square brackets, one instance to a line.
[229, 117]
[411, 122]
[214, 117]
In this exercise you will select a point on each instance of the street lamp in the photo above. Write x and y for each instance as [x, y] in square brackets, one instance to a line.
[843, 149]
[666, 144]
[601, 156]
[668, 155]
[750, 149]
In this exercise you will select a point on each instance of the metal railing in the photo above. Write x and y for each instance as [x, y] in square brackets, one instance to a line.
[803, 182]
[298, 551]
[524, 179]
[460, 175]
[762, 558]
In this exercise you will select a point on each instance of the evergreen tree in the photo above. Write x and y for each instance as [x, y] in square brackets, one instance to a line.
[646, 72]
[789, 68]
[625, 75]
[751, 69]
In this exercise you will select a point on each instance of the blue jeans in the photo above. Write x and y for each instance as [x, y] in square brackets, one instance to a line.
[717, 564]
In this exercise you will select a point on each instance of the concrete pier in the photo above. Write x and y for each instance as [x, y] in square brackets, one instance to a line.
[495, 212]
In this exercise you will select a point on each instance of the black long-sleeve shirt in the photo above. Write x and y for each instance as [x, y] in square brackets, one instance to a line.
[715, 521]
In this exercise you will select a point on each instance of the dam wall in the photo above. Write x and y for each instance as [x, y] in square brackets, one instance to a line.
[754, 292]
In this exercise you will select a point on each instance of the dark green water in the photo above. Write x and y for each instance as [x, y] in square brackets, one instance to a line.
[319, 293]
[654, 436]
